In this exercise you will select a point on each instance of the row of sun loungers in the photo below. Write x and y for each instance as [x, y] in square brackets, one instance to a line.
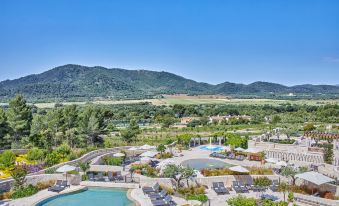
[158, 198]
[59, 186]
[220, 188]
[230, 156]
[100, 178]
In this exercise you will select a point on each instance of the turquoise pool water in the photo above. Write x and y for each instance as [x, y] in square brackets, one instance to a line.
[213, 148]
[200, 164]
[90, 197]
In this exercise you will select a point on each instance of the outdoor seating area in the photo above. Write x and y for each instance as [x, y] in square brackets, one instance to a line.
[59, 186]
[111, 177]
[220, 188]
[158, 198]
[231, 156]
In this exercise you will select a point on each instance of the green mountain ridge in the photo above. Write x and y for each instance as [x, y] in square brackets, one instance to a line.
[81, 82]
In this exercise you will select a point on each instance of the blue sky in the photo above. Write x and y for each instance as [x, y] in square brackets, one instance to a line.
[284, 41]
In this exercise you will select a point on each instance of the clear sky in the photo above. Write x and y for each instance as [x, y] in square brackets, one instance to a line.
[283, 41]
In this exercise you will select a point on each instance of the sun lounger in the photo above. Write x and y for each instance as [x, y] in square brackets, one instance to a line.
[99, 177]
[236, 187]
[110, 176]
[91, 176]
[118, 176]
[159, 195]
[167, 201]
[59, 186]
[215, 187]
[242, 187]
[274, 186]
[153, 189]
[222, 188]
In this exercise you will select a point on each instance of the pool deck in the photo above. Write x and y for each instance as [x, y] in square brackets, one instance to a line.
[41, 195]
[138, 196]
[197, 153]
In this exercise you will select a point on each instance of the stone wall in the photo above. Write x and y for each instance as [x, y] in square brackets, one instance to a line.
[86, 157]
[6, 185]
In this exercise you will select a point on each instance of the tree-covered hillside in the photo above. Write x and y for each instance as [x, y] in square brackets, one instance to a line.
[75, 82]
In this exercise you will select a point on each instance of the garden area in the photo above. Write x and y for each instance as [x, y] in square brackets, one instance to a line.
[226, 171]
[37, 159]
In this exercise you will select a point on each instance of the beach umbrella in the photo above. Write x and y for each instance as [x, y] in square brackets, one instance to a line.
[65, 169]
[281, 163]
[145, 159]
[239, 169]
[119, 154]
[239, 149]
[148, 154]
[271, 160]
[252, 150]
[147, 147]
[133, 148]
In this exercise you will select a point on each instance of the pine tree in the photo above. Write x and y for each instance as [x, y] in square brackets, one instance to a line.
[19, 117]
[4, 129]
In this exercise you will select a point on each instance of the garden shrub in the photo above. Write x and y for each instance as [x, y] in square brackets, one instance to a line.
[24, 191]
[50, 170]
[116, 161]
[169, 190]
[7, 158]
[45, 184]
[290, 196]
[201, 197]
[35, 154]
[242, 201]
[262, 181]
[52, 158]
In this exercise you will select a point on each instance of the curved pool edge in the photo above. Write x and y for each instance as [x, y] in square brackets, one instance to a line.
[78, 189]
[81, 189]
[130, 197]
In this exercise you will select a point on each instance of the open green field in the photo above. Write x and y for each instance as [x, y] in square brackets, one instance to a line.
[187, 100]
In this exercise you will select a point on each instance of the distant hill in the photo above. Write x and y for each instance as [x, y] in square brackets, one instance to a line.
[75, 82]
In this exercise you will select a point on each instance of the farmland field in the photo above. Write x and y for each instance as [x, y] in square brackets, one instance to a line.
[202, 99]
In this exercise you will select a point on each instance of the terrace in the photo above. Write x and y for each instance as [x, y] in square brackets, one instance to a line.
[217, 175]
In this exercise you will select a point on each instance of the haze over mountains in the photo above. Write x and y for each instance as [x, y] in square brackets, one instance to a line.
[71, 82]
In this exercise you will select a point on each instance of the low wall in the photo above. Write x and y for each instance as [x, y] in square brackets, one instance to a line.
[307, 199]
[35, 179]
[228, 179]
[6, 185]
[86, 157]
[109, 184]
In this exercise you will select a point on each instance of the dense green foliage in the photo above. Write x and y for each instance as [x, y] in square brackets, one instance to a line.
[35, 154]
[115, 161]
[82, 83]
[262, 181]
[25, 192]
[241, 201]
[7, 159]
[65, 128]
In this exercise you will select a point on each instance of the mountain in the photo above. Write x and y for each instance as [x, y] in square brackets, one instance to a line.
[76, 82]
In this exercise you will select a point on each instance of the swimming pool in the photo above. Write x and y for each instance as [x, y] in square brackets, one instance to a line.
[89, 197]
[200, 164]
[213, 148]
